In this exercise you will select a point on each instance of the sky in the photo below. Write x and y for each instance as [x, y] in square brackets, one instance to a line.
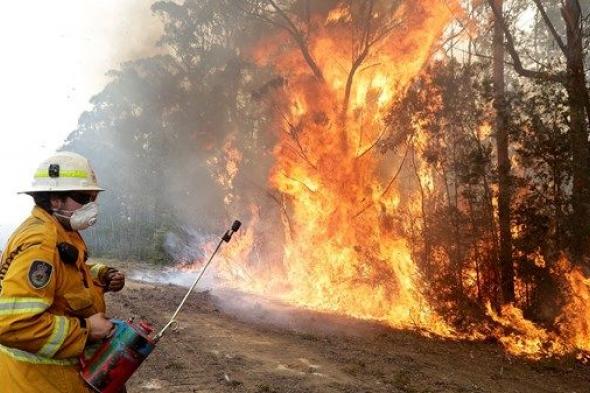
[55, 58]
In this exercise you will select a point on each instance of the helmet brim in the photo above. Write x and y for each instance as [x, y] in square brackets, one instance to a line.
[35, 190]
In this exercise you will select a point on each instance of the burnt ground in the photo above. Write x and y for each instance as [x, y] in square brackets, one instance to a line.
[229, 342]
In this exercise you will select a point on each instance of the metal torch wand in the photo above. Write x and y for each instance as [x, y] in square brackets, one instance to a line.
[226, 238]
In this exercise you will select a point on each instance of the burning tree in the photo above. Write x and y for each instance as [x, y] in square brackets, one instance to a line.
[343, 65]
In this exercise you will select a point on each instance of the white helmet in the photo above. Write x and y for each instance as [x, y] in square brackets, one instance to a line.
[64, 171]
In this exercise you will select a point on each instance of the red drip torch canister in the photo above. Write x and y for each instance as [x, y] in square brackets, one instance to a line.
[117, 358]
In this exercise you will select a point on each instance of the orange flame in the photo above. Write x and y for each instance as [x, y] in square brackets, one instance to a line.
[522, 337]
[341, 251]
[225, 172]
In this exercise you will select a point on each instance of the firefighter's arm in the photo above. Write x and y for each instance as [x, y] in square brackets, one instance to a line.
[26, 297]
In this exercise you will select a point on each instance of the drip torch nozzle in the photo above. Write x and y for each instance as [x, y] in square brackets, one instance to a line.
[234, 228]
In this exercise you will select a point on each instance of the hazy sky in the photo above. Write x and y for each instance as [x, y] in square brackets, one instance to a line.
[55, 56]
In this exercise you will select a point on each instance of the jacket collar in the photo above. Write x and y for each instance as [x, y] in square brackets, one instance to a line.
[45, 216]
[50, 219]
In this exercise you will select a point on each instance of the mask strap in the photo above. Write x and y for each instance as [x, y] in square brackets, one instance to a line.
[59, 213]
[64, 220]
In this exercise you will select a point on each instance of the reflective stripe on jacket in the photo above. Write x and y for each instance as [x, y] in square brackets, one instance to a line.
[41, 302]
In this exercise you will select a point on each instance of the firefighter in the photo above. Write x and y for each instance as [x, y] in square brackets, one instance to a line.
[51, 301]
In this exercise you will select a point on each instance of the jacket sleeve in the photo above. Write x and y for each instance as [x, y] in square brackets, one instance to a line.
[98, 272]
[26, 321]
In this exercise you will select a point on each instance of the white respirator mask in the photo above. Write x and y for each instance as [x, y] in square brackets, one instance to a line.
[80, 219]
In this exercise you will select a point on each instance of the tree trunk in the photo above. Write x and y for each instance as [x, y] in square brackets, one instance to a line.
[491, 280]
[505, 257]
[425, 228]
[577, 96]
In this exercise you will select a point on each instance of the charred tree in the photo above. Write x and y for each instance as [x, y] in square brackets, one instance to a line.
[578, 103]
[503, 165]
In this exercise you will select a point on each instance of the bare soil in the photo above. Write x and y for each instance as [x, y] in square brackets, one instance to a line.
[231, 342]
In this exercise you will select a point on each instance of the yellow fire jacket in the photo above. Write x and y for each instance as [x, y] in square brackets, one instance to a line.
[45, 292]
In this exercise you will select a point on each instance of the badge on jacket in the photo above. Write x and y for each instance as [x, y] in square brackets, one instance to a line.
[40, 274]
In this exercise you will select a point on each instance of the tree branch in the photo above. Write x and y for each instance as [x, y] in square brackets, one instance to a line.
[559, 77]
[288, 26]
[300, 40]
[551, 27]
[293, 134]
[263, 18]
[368, 149]
[401, 165]
[300, 182]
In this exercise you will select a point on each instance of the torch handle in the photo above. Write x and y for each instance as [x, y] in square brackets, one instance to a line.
[226, 238]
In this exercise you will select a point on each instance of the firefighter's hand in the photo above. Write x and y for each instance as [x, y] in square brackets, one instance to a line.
[99, 327]
[115, 280]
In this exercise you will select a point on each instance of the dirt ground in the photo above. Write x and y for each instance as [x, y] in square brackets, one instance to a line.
[230, 342]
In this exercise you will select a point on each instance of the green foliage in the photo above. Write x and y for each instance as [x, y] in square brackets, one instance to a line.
[451, 104]
[544, 170]
[445, 116]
